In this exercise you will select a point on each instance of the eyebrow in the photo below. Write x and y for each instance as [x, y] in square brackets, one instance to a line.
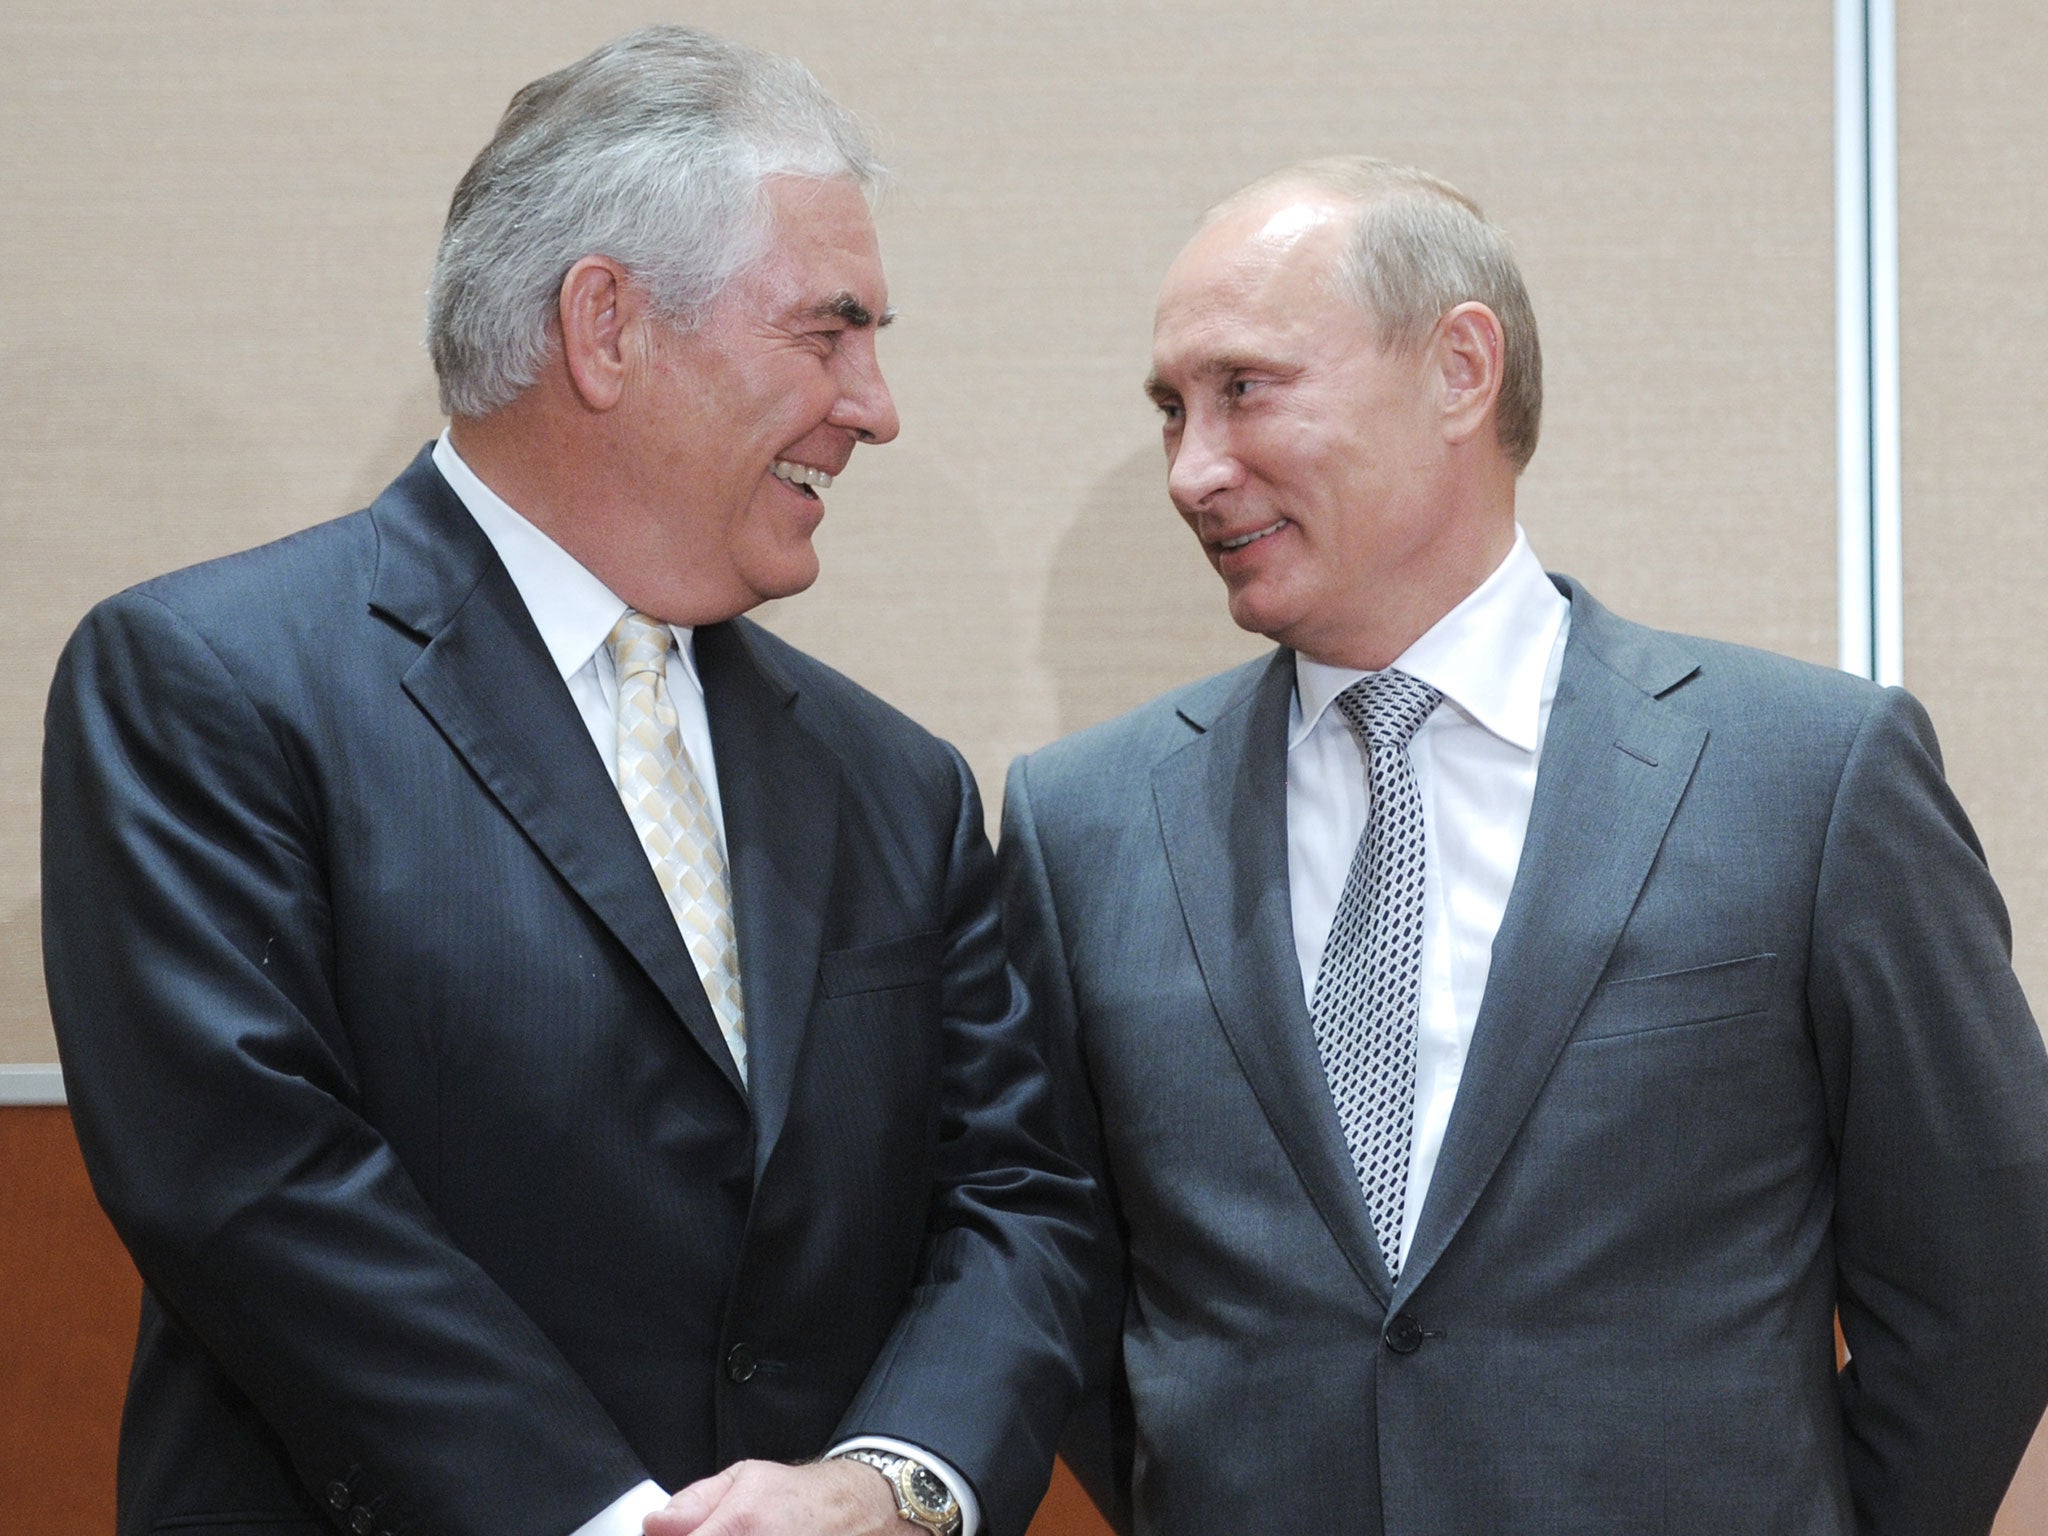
[1217, 365]
[844, 306]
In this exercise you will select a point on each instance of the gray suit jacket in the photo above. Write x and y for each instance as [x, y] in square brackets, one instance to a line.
[1752, 1054]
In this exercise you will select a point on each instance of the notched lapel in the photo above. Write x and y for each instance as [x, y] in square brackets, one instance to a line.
[1222, 803]
[1616, 762]
[780, 789]
[487, 682]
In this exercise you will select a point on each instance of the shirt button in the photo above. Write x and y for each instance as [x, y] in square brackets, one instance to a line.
[337, 1497]
[1404, 1334]
[739, 1363]
[361, 1521]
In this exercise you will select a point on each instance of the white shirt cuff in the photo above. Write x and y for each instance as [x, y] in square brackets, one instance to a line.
[623, 1515]
[970, 1507]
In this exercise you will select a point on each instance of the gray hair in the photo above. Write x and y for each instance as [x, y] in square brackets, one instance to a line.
[653, 150]
[1420, 248]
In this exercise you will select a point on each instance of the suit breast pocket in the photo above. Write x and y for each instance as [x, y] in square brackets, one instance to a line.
[910, 961]
[1702, 994]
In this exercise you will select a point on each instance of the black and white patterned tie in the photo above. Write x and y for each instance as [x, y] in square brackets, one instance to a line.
[1365, 1000]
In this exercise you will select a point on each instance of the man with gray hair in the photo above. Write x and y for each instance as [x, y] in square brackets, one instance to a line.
[547, 1043]
[1515, 1034]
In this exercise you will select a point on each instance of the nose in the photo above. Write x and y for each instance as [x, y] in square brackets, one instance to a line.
[1198, 464]
[865, 404]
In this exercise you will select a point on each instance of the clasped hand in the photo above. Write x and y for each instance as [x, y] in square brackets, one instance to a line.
[768, 1498]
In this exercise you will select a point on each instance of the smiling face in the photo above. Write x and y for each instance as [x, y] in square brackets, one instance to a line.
[1311, 462]
[729, 429]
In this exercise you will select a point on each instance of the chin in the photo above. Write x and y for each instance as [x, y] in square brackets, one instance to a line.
[787, 577]
[1256, 613]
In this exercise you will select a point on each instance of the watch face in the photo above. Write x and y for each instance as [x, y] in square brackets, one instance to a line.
[931, 1496]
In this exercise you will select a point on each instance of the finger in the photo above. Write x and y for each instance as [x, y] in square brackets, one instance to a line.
[689, 1508]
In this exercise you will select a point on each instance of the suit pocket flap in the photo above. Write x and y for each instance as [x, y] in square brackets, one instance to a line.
[1633, 1005]
[900, 962]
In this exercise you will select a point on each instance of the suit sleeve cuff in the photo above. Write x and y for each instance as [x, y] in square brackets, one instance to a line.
[963, 1495]
[623, 1515]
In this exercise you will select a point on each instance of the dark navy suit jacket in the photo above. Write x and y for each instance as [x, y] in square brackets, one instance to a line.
[393, 1072]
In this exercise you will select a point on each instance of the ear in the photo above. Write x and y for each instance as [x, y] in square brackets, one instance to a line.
[1470, 349]
[597, 306]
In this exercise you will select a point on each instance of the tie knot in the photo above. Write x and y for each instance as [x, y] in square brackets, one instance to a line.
[638, 644]
[1387, 708]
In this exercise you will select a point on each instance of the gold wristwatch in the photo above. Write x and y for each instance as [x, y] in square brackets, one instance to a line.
[922, 1496]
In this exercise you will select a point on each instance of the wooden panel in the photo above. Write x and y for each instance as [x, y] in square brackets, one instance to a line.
[70, 1298]
[1067, 1511]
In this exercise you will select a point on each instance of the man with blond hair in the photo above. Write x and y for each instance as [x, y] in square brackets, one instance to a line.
[1515, 1034]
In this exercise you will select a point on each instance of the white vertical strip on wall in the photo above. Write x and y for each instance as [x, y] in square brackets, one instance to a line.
[1871, 602]
[1887, 537]
[1854, 595]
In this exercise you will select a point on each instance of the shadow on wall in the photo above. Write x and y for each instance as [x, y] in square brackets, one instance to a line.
[413, 424]
[914, 601]
[111, 471]
[156, 475]
[1132, 608]
[24, 1013]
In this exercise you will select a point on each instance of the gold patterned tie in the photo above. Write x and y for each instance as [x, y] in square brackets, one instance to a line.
[671, 813]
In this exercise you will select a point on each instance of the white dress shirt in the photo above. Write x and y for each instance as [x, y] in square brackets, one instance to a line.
[575, 614]
[1495, 659]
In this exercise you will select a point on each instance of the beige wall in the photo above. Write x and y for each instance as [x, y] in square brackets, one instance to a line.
[221, 216]
[1973, 157]
[1973, 154]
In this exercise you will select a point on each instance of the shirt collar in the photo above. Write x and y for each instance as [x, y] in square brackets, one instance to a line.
[572, 609]
[1488, 656]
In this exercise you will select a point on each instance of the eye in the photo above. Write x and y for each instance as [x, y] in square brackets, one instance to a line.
[1238, 388]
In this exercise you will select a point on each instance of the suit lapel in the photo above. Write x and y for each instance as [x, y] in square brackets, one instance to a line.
[1222, 803]
[780, 789]
[1616, 761]
[487, 682]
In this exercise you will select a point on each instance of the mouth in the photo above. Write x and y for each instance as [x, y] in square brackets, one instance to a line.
[805, 477]
[1242, 540]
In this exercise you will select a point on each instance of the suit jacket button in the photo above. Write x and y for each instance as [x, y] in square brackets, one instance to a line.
[1404, 1334]
[361, 1521]
[739, 1363]
[337, 1497]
